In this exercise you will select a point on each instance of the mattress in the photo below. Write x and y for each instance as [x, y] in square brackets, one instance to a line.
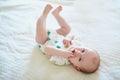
[95, 22]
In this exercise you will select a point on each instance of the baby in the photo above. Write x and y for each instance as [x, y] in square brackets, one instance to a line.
[61, 50]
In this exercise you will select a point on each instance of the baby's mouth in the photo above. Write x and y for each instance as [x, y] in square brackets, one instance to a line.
[73, 52]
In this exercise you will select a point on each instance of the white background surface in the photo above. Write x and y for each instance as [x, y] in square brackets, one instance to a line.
[96, 22]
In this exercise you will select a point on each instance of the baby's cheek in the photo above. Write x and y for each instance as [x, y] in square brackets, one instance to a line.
[73, 59]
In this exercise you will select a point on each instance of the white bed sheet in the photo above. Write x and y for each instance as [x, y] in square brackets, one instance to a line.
[96, 22]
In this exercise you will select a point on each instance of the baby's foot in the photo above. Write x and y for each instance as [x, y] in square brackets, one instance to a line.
[57, 10]
[47, 9]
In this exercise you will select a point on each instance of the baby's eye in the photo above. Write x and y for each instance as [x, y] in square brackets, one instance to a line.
[83, 50]
[79, 58]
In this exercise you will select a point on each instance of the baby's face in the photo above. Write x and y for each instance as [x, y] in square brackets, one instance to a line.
[83, 58]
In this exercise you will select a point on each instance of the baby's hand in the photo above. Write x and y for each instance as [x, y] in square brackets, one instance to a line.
[74, 52]
[67, 43]
[69, 55]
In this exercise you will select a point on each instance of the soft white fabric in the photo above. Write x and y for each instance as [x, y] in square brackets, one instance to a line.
[96, 22]
[55, 40]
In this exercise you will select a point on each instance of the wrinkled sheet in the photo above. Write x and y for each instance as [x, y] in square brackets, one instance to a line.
[95, 22]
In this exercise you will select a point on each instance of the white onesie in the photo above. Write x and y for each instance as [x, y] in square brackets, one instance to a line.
[55, 40]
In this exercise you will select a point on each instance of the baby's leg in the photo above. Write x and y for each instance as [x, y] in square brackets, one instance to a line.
[41, 33]
[64, 27]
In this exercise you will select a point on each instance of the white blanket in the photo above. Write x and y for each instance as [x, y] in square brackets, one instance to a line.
[96, 22]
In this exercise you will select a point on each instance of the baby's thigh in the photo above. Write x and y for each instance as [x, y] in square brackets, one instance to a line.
[62, 31]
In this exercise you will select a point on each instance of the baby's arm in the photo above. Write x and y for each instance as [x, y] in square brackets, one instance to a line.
[49, 50]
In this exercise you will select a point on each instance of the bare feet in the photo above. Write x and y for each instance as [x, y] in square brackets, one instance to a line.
[47, 9]
[57, 10]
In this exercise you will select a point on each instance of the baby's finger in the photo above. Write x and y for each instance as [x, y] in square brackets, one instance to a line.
[71, 49]
[64, 42]
[67, 44]
[71, 42]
